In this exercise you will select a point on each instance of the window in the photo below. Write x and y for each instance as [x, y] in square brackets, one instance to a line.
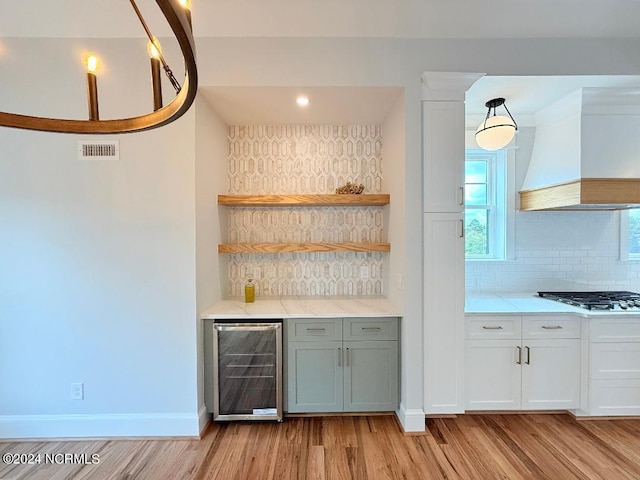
[485, 205]
[634, 234]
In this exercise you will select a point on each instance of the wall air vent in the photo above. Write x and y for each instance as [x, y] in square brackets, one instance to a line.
[99, 150]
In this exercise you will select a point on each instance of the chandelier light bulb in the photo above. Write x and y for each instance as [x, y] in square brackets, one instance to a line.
[154, 48]
[92, 63]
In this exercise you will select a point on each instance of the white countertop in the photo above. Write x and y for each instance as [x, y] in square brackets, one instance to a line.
[530, 303]
[303, 307]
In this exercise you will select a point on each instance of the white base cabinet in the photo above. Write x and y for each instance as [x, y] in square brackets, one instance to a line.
[342, 365]
[611, 368]
[522, 363]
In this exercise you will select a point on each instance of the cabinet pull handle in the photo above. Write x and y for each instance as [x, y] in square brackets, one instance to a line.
[528, 362]
[339, 357]
[461, 229]
[519, 361]
[375, 329]
[347, 357]
[461, 192]
[316, 329]
[555, 327]
[492, 328]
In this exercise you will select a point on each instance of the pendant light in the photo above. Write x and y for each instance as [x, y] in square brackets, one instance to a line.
[496, 131]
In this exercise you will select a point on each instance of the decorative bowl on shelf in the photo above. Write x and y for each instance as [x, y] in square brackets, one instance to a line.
[350, 189]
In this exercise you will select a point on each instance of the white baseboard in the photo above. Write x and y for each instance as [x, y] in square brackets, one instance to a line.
[105, 425]
[204, 418]
[412, 420]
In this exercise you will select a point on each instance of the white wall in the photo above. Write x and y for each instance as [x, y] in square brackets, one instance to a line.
[211, 148]
[97, 279]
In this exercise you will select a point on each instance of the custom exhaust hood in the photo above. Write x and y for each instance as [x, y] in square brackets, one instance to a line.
[586, 153]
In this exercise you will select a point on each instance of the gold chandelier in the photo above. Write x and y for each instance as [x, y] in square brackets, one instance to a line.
[178, 15]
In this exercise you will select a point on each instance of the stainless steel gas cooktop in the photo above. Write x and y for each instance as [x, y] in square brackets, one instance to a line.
[614, 300]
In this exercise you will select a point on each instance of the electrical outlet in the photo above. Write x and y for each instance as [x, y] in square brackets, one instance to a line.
[77, 391]
[257, 272]
[399, 281]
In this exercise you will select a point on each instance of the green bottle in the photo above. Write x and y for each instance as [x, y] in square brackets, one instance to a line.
[249, 292]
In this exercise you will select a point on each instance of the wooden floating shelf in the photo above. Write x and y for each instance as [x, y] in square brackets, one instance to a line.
[327, 200]
[302, 247]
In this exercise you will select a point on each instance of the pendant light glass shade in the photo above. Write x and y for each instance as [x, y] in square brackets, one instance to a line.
[495, 131]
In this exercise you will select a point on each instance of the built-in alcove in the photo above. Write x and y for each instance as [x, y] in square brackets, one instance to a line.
[315, 247]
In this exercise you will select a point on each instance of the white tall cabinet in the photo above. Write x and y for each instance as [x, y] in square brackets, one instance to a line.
[443, 97]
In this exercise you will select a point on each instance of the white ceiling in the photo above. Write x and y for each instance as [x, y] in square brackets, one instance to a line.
[332, 18]
[353, 18]
[525, 95]
[277, 105]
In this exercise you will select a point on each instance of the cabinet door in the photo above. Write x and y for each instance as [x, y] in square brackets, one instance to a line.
[443, 313]
[443, 151]
[493, 374]
[551, 374]
[370, 376]
[314, 377]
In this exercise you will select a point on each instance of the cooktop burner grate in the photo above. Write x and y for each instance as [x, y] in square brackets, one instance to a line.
[601, 300]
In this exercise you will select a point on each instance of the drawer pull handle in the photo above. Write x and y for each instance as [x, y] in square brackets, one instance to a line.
[316, 329]
[555, 327]
[528, 362]
[347, 357]
[519, 361]
[492, 328]
[339, 357]
[374, 329]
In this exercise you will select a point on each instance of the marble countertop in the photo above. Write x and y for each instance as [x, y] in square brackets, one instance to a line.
[331, 307]
[529, 303]
[303, 307]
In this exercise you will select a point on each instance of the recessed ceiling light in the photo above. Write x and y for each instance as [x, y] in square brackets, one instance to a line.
[302, 101]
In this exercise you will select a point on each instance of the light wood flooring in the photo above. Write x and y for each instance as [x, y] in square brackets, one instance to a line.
[555, 447]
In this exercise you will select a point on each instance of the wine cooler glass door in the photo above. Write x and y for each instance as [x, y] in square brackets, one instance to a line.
[248, 371]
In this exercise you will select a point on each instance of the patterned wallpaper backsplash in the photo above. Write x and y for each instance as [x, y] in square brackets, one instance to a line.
[292, 159]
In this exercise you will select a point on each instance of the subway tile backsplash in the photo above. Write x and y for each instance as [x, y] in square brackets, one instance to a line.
[295, 159]
[559, 251]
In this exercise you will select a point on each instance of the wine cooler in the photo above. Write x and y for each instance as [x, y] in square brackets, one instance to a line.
[247, 366]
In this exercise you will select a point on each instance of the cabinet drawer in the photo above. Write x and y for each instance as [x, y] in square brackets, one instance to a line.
[615, 397]
[615, 360]
[614, 329]
[493, 327]
[370, 329]
[313, 329]
[550, 326]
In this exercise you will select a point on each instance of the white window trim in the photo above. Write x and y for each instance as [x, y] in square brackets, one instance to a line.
[624, 254]
[624, 237]
[507, 244]
[509, 204]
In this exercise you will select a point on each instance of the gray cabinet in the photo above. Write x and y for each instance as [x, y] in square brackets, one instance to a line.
[342, 365]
